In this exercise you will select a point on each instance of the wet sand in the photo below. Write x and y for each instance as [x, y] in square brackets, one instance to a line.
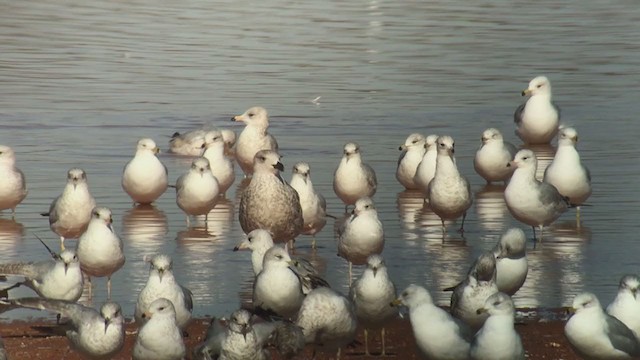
[34, 340]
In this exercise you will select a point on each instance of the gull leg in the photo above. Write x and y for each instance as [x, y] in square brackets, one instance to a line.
[534, 233]
[188, 222]
[90, 288]
[338, 354]
[313, 242]
[62, 243]
[366, 343]
[464, 216]
[350, 266]
[13, 214]
[541, 232]
[109, 287]
[577, 217]
[384, 350]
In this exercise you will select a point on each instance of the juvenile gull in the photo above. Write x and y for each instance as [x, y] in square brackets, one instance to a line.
[258, 241]
[253, 138]
[471, 294]
[537, 119]
[511, 261]
[98, 335]
[361, 235]
[427, 167]
[211, 347]
[242, 340]
[13, 187]
[100, 250]
[413, 150]
[268, 202]
[353, 179]
[70, 212]
[529, 200]
[497, 340]
[159, 338]
[313, 204]
[448, 192]
[188, 144]
[492, 155]
[566, 172]
[594, 334]
[372, 293]
[57, 279]
[626, 306]
[328, 320]
[144, 177]
[197, 190]
[221, 166]
[439, 336]
[162, 284]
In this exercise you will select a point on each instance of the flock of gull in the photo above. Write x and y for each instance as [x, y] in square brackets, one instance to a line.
[292, 305]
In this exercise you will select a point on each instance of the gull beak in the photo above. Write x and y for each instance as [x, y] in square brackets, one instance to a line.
[106, 324]
[245, 330]
[75, 183]
[279, 166]
[236, 118]
[571, 310]
[160, 274]
[526, 92]
[375, 271]
[396, 302]
[512, 164]
[484, 140]
[146, 315]
[66, 268]
[402, 147]
[109, 224]
[156, 150]
[305, 177]
[481, 311]
[293, 263]
[575, 139]
[243, 245]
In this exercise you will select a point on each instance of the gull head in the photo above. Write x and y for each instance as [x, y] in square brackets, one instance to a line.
[484, 269]
[413, 140]
[431, 142]
[525, 159]
[112, 314]
[76, 177]
[229, 137]
[375, 263]
[630, 283]
[491, 135]
[584, 302]
[413, 296]
[267, 161]
[7, 156]
[498, 304]
[160, 308]
[446, 146]
[303, 170]
[201, 166]
[256, 239]
[351, 150]
[103, 214]
[146, 145]
[160, 264]
[567, 136]
[240, 322]
[212, 138]
[512, 243]
[68, 257]
[539, 85]
[277, 257]
[256, 116]
[364, 204]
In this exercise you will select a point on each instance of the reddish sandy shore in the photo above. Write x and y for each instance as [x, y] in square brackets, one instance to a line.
[33, 340]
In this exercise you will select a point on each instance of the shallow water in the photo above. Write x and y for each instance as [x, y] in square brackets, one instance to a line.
[81, 82]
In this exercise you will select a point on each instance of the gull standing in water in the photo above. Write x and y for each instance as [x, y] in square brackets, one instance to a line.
[98, 335]
[221, 166]
[258, 241]
[197, 190]
[438, 334]
[268, 202]
[69, 213]
[449, 193]
[353, 179]
[277, 287]
[427, 167]
[13, 187]
[626, 306]
[145, 177]
[497, 339]
[492, 155]
[313, 204]
[566, 172]
[253, 138]
[594, 334]
[372, 293]
[538, 118]
[529, 200]
[511, 261]
[361, 235]
[413, 150]
[100, 250]
[162, 284]
[159, 338]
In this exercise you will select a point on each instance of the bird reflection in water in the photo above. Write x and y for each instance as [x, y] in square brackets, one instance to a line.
[144, 228]
[409, 204]
[491, 208]
[11, 235]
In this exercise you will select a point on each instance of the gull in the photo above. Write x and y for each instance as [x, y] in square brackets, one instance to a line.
[413, 150]
[626, 306]
[594, 334]
[100, 250]
[211, 347]
[497, 339]
[277, 287]
[159, 338]
[537, 119]
[188, 144]
[221, 166]
[328, 320]
[288, 339]
[529, 200]
[13, 187]
[511, 261]
[313, 204]
[353, 179]
[162, 284]
[268, 202]
[57, 279]
[197, 190]
[492, 155]
[427, 167]
[253, 138]
[258, 241]
[449, 194]
[98, 335]
[70, 212]
[372, 293]
[438, 335]
[144, 177]
[361, 235]
[471, 294]
[566, 173]
[242, 340]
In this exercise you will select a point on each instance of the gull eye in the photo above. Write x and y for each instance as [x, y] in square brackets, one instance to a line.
[414, 141]
[251, 114]
[539, 86]
[279, 257]
[162, 308]
[405, 294]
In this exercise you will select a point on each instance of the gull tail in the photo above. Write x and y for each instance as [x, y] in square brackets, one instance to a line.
[44, 214]
[171, 186]
[15, 269]
[450, 288]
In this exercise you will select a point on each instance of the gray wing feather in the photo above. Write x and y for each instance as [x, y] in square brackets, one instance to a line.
[555, 106]
[76, 312]
[53, 213]
[517, 116]
[28, 270]
[212, 346]
[371, 177]
[550, 195]
[621, 337]
[272, 142]
[188, 298]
